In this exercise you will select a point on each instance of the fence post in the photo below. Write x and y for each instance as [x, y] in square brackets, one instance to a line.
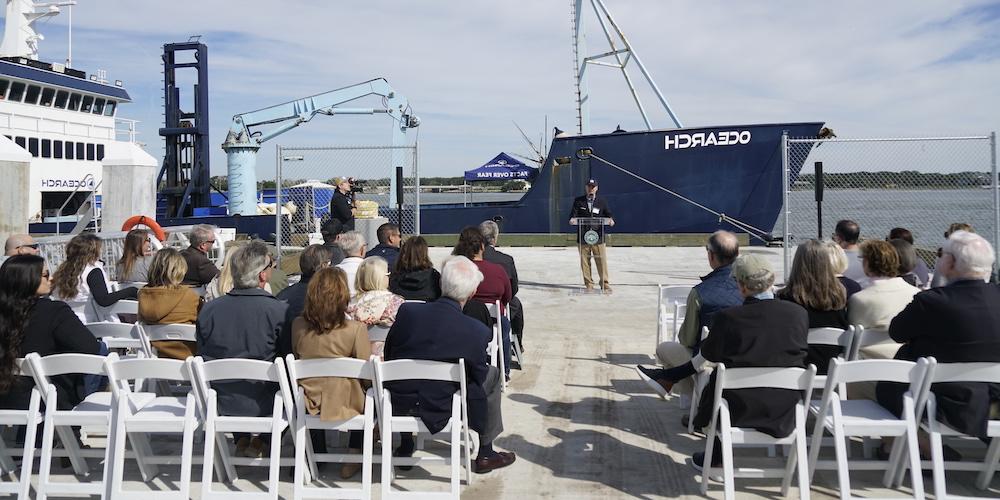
[784, 198]
[996, 203]
[416, 180]
[277, 200]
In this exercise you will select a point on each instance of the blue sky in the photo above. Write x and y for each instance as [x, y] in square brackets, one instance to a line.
[471, 68]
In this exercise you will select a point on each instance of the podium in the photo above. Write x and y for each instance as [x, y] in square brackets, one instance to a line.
[590, 230]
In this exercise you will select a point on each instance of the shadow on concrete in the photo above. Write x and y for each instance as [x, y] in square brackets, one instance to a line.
[627, 360]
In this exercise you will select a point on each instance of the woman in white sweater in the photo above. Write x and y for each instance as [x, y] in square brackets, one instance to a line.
[887, 295]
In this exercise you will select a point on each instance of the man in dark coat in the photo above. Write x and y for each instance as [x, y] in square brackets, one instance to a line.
[491, 231]
[389, 239]
[590, 238]
[245, 323]
[955, 323]
[312, 259]
[439, 331]
[342, 204]
[200, 269]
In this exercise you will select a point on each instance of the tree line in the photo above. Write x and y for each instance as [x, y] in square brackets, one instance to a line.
[906, 179]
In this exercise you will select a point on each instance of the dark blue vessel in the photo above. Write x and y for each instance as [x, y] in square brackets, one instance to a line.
[734, 170]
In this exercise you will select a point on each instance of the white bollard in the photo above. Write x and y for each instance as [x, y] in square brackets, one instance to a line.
[15, 170]
[129, 185]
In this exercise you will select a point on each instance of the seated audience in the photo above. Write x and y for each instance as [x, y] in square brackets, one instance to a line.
[938, 280]
[717, 291]
[137, 254]
[323, 331]
[813, 285]
[166, 301]
[374, 304]
[244, 323]
[30, 322]
[201, 270]
[388, 244]
[82, 283]
[921, 271]
[846, 234]
[353, 244]
[311, 260]
[838, 259]
[19, 244]
[222, 283]
[495, 285]
[491, 231]
[331, 232]
[414, 277]
[958, 322]
[875, 306]
[907, 262]
[439, 331]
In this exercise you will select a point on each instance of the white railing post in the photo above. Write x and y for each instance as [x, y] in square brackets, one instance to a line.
[784, 199]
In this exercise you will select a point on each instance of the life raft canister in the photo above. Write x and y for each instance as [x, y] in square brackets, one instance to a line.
[137, 220]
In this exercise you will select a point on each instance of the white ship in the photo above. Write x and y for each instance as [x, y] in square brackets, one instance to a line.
[63, 117]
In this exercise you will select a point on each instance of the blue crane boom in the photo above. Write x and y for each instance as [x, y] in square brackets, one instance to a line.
[248, 131]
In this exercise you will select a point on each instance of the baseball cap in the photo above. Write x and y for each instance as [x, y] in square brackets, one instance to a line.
[591, 182]
[340, 180]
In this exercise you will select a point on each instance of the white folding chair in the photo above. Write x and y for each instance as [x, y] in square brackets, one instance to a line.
[305, 457]
[117, 335]
[938, 373]
[671, 305]
[700, 381]
[155, 333]
[124, 306]
[216, 426]
[495, 346]
[745, 378]
[456, 431]
[844, 339]
[865, 418]
[94, 412]
[136, 415]
[29, 417]
[515, 344]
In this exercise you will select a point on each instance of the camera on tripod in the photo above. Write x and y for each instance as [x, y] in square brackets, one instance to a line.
[356, 186]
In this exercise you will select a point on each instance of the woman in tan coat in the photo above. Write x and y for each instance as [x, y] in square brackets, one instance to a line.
[165, 301]
[323, 331]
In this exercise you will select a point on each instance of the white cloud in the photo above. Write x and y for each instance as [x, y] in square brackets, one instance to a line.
[470, 68]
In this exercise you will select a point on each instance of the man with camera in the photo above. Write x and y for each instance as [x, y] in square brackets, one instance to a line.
[342, 203]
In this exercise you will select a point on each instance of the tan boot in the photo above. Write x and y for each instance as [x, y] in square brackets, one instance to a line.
[348, 470]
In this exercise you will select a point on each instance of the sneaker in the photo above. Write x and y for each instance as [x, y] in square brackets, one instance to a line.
[348, 471]
[241, 446]
[652, 378]
[257, 449]
[697, 462]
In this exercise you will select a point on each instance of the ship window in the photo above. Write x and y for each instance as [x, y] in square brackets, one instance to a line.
[31, 96]
[100, 152]
[90, 152]
[109, 110]
[79, 151]
[61, 97]
[21, 141]
[57, 149]
[74, 102]
[69, 150]
[33, 146]
[16, 91]
[99, 107]
[3, 88]
[46, 148]
[47, 95]
[88, 103]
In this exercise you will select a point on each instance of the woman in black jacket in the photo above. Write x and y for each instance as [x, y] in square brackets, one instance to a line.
[30, 322]
[414, 277]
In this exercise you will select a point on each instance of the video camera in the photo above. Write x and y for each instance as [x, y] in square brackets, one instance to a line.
[356, 186]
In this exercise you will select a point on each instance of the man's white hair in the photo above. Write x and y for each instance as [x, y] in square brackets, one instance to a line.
[247, 263]
[201, 233]
[351, 242]
[753, 272]
[460, 278]
[972, 253]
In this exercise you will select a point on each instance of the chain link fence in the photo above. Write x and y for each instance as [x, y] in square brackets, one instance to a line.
[305, 176]
[922, 184]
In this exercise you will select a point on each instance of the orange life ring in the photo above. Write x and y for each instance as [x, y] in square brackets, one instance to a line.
[149, 222]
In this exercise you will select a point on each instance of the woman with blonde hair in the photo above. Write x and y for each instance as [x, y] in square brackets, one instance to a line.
[374, 304]
[81, 281]
[137, 254]
[839, 263]
[813, 284]
[323, 331]
[165, 301]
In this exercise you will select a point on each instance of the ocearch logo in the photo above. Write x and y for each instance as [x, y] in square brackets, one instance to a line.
[700, 139]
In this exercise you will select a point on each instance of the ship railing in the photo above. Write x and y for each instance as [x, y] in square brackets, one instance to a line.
[125, 129]
[91, 199]
[53, 248]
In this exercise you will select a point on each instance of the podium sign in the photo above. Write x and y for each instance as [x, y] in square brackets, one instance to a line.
[590, 230]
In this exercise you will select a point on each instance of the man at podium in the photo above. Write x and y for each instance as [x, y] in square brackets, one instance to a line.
[590, 214]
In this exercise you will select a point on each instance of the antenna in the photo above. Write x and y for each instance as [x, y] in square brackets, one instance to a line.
[540, 157]
[622, 57]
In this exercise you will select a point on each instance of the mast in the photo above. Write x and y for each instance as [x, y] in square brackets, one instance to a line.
[19, 37]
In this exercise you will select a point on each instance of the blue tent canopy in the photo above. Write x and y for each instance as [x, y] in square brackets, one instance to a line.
[502, 167]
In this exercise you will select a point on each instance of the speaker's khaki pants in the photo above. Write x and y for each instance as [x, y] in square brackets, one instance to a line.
[600, 255]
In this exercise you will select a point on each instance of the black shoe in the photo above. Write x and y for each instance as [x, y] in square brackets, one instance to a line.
[697, 462]
[655, 379]
[404, 452]
[686, 421]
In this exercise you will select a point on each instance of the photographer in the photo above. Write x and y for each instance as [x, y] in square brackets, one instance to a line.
[342, 203]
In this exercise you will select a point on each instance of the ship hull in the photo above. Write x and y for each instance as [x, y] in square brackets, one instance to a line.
[735, 170]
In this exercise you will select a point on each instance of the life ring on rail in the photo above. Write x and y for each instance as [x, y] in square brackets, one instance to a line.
[149, 222]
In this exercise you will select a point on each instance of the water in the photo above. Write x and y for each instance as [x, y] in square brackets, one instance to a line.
[445, 198]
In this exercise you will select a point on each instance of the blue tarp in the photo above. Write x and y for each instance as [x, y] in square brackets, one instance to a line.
[503, 167]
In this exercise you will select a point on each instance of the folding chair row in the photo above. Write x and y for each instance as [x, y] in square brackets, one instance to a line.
[140, 336]
[671, 307]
